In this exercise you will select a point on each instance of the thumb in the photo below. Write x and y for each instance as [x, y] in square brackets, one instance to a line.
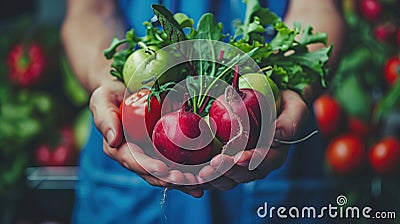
[104, 104]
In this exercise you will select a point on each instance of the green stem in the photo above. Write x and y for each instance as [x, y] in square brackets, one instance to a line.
[109, 52]
[213, 83]
[267, 68]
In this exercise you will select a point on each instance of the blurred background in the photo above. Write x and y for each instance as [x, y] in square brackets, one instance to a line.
[44, 118]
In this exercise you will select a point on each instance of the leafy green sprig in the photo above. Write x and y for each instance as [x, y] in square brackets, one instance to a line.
[290, 64]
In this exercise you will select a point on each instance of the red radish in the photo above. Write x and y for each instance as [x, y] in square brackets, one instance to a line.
[237, 116]
[385, 32]
[183, 137]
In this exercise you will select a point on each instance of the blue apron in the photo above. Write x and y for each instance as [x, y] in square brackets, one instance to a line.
[108, 193]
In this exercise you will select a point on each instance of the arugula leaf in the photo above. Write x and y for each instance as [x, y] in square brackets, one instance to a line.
[251, 25]
[308, 37]
[284, 38]
[314, 61]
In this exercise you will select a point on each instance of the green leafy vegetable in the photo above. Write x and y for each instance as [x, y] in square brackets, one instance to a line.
[286, 56]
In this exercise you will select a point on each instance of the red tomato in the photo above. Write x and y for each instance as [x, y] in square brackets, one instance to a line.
[26, 64]
[392, 70]
[137, 120]
[328, 114]
[371, 10]
[359, 127]
[384, 156]
[345, 154]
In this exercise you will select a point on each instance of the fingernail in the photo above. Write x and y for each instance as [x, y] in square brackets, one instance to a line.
[110, 136]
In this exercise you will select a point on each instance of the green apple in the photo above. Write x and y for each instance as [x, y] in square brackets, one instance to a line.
[143, 65]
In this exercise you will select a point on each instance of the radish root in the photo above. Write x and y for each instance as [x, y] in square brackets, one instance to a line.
[296, 141]
[163, 200]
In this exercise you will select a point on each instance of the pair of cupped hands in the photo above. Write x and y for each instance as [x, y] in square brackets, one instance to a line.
[104, 104]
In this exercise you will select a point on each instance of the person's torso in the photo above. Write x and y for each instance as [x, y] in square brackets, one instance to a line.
[135, 12]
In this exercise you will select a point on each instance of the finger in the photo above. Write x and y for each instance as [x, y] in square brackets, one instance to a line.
[154, 181]
[218, 166]
[241, 174]
[191, 181]
[197, 193]
[222, 163]
[175, 177]
[132, 157]
[211, 179]
[104, 104]
[206, 174]
[272, 160]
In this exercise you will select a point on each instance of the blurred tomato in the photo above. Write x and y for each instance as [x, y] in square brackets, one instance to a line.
[43, 155]
[385, 32]
[359, 127]
[371, 10]
[26, 64]
[384, 156]
[62, 154]
[392, 70]
[345, 154]
[328, 114]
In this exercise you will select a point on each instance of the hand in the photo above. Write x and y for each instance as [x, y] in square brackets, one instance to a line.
[294, 113]
[104, 104]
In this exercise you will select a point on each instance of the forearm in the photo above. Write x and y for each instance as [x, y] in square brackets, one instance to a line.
[323, 16]
[87, 30]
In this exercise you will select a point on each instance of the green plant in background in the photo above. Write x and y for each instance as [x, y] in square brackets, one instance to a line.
[361, 83]
[39, 96]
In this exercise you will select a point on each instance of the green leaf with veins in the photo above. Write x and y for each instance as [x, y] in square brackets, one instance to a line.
[183, 20]
[171, 27]
[208, 28]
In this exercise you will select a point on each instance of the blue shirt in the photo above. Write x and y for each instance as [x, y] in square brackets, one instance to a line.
[136, 12]
[109, 193]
